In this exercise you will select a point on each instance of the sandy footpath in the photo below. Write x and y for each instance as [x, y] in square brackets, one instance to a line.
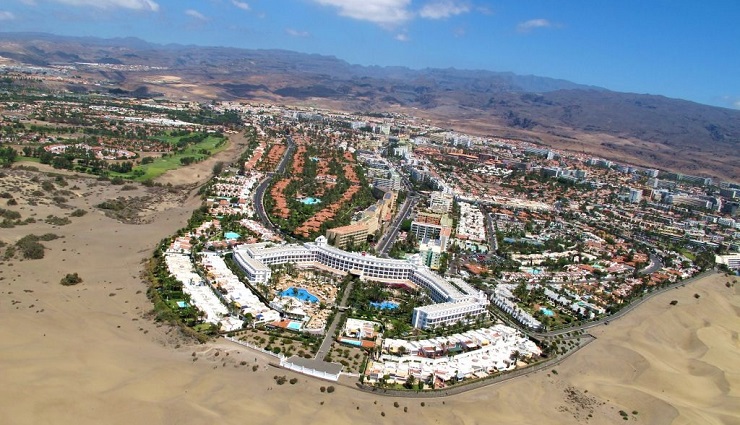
[87, 354]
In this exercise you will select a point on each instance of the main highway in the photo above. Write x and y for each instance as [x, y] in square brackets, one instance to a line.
[386, 241]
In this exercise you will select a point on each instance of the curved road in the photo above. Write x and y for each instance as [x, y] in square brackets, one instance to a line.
[259, 192]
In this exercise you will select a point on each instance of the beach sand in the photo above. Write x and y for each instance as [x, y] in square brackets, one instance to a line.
[89, 354]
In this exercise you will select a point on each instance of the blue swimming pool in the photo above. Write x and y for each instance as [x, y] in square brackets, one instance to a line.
[182, 304]
[547, 311]
[310, 201]
[231, 235]
[300, 293]
[294, 326]
[355, 342]
[385, 305]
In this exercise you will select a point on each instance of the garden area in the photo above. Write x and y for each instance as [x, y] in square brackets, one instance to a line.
[392, 306]
[186, 150]
[281, 341]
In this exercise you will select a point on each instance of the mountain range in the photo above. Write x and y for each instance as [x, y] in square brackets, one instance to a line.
[646, 130]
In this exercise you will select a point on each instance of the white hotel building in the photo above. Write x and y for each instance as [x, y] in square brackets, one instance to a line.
[455, 303]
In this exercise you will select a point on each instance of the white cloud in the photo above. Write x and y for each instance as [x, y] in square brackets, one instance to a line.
[195, 14]
[383, 12]
[295, 33]
[240, 4]
[402, 37]
[533, 24]
[6, 16]
[145, 5]
[443, 9]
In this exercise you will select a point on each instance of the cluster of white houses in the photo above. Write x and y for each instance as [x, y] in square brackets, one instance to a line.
[455, 303]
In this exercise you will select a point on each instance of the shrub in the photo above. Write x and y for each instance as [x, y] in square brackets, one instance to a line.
[330, 389]
[71, 279]
[57, 221]
[322, 389]
[293, 381]
[30, 247]
[78, 212]
[674, 302]
[9, 214]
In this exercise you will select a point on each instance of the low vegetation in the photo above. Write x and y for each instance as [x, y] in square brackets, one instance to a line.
[30, 247]
[71, 279]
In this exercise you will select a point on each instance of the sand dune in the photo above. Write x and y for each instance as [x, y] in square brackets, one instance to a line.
[87, 354]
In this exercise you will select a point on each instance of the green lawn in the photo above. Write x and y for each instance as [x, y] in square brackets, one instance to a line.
[172, 161]
[27, 159]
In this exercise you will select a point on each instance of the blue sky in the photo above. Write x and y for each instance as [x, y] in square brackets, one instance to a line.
[677, 48]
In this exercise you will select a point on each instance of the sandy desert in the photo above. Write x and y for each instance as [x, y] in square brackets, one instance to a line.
[89, 354]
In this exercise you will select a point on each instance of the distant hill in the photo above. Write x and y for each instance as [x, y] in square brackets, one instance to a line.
[641, 129]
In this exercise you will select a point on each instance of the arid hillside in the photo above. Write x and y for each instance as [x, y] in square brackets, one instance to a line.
[639, 129]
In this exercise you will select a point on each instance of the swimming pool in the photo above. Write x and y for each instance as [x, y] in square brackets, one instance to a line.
[547, 311]
[182, 304]
[310, 201]
[385, 305]
[299, 293]
[355, 342]
[294, 326]
[231, 235]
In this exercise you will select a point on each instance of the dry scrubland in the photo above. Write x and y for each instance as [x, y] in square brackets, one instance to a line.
[87, 354]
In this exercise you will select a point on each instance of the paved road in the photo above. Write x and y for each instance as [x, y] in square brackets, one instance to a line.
[386, 241]
[584, 340]
[654, 266]
[632, 305]
[329, 336]
[492, 241]
[479, 383]
[259, 192]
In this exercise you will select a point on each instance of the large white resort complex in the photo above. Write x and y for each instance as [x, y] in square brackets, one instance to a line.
[455, 303]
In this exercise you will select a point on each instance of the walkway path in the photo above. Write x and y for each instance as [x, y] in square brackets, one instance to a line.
[329, 336]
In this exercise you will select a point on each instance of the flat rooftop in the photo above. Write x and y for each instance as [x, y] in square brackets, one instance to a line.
[320, 365]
